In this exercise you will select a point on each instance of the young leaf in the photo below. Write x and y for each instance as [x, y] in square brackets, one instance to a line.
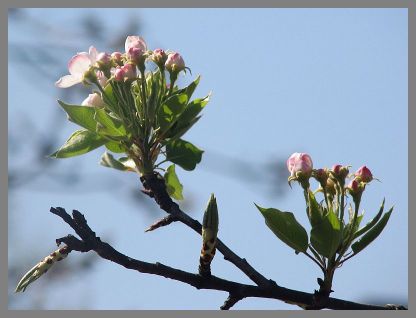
[314, 210]
[107, 160]
[173, 186]
[170, 111]
[370, 224]
[347, 231]
[188, 116]
[178, 131]
[189, 90]
[372, 234]
[183, 153]
[80, 142]
[286, 228]
[326, 236]
[108, 91]
[80, 115]
[153, 93]
[109, 125]
[115, 147]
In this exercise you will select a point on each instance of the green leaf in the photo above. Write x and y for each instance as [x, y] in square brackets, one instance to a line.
[286, 228]
[372, 234]
[170, 111]
[80, 142]
[326, 235]
[107, 160]
[189, 90]
[153, 90]
[173, 186]
[183, 153]
[80, 115]
[108, 124]
[347, 231]
[115, 147]
[108, 91]
[315, 212]
[370, 224]
[178, 131]
[188, 117]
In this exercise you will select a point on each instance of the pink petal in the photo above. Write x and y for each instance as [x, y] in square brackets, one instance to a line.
[93, 54]
[68, 80]
[135, 41]
[79, 63]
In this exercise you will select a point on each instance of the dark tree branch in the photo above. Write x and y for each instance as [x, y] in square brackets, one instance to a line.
[231, 301]
[155, 187]
[89, 241]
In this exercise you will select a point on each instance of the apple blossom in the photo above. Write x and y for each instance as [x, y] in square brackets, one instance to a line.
[136, 56]
[299, 162]
[102, 79]
[93, 100]
[136, 42]
[117, 57]
[339, 172]
[129, 71]
[104, 59]
[321, 175]
[119, 74]
[159, 57]
[77, 66]
[174, 63]
[364, 174]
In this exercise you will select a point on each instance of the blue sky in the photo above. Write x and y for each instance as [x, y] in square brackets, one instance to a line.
[329, 82]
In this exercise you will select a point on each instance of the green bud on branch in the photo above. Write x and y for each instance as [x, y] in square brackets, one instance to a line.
[209, 237]
[41, 268]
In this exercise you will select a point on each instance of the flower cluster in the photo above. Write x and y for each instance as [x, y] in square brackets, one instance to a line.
[134, 108]
[332, 180]
[331, 236]
[99, 67]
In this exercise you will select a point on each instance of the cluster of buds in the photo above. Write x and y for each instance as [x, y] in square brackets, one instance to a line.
[41, 268]
[98, 68]
[357, 185]
[332, 180]
[209, 237]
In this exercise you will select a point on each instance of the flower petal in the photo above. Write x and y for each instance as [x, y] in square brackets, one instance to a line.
[68, 80]
[93, 54]
[135, 41]
[79, 63]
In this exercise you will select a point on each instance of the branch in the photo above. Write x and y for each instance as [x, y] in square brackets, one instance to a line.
[89, 241]
[155, 187]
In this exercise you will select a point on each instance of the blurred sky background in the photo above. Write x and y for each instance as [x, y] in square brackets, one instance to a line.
[329, 82]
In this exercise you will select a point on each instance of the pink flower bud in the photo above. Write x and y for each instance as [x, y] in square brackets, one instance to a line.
[356, 189]
[93, 100]
[119, 74]
[104, 59]
[336, 169]
[321, 175]
[299, 162]
[136, 55]
[340, 172]
[102, 79]
[174, 63]
[117, 57]
[136, 42]
[129, 71]
[353, 186]
[159, 57]
[364, 174]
